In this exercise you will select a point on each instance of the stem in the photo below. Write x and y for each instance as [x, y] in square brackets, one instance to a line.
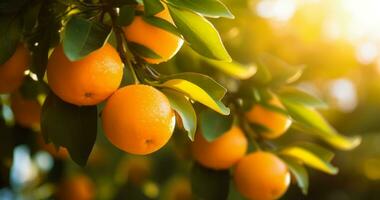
[120, 45]
[244, 124]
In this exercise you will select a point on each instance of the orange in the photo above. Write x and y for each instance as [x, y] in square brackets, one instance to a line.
[138, 119]
[261, 176]
[177, 188]
[162, 42]
[223, 152]
[78, 187]
[12, 71]
[276, 123]
[27, 112]
[87, 81]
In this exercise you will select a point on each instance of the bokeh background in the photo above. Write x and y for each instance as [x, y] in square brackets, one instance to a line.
[339, 43]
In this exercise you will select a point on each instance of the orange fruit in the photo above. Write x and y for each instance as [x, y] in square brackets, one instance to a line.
[223, 152]
[138, 119]
[12, 71]
[276, 123]
[87, 81]
[27, 112]
[162, 42]
[177, 188]
[78, 187]
[261, 176]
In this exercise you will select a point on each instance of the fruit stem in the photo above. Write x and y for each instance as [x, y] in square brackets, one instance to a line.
[253, 136]
[120, 45]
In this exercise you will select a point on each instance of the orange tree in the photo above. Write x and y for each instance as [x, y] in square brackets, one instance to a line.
[89, 61]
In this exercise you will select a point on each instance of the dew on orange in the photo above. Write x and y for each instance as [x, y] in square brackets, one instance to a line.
[138, 119]
[88, 81]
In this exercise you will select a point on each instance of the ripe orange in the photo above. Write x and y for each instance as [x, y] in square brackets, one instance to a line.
[221, 153]
[162, 42]
[276, 123]
[12, 71]
[261, 176]
[78, 187]
[138, 119]
[27, 112]
[87, 81]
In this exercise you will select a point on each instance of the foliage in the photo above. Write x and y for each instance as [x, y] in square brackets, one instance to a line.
[202, 100]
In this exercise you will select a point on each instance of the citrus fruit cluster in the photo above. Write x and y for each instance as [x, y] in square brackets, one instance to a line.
[257, 175]
[137, 118]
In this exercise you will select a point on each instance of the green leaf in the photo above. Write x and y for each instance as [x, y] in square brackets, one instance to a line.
[197, 93]
[314, 123]
[209, 184]
[213, 124]
[83, 36]
[184, 109]
[262, 76]
[323, 153]
[152, 7]
[199, 33]
[208, 8]
[299, 172]
[198, 87]
[312, 159]
[126, 15]
[10, 31]
[163, 24]
[210, 85]
[281, 72]
[70, 126]
[295, 95]
[46, 38]
[143, 51]
[233, 68]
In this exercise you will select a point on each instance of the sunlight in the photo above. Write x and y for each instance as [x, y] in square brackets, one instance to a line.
[354, 19]
[364, 18]
[278, 10]
[364, 28]
[358, 22]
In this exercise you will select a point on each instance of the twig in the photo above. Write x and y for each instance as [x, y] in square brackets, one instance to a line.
[119, 33]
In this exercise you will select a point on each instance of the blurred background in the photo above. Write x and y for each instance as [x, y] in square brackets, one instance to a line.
[337, 40]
